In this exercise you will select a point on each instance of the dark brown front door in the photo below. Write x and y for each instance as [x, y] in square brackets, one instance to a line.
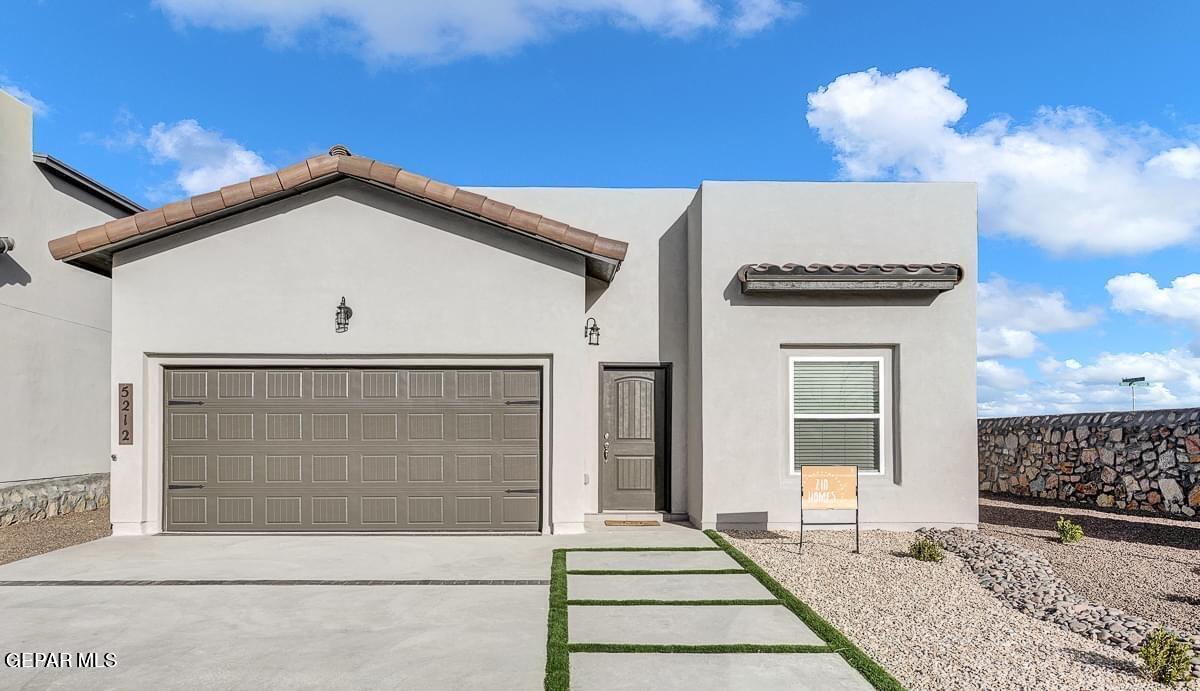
[633, 435]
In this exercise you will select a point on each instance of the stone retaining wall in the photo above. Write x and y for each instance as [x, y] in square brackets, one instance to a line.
[21, 502]
[1143, 461]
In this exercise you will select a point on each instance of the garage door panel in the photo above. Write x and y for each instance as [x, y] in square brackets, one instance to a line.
[352, 449]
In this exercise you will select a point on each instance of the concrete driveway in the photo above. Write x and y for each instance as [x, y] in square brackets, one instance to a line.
[178, 611]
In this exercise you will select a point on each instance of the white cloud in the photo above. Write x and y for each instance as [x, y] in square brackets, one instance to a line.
[384, 31]
[1005, 342]
[994, 375]
[752, 16]
[1138, 292]
[1067, 180]
[1010, 316]
[37, 105]
[1069, 386]
[206, 160]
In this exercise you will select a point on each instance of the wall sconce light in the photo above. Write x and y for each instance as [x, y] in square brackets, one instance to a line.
[6, 245]
[591, 331]
[341, 320]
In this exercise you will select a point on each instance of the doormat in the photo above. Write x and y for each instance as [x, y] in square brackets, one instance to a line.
[631, 524]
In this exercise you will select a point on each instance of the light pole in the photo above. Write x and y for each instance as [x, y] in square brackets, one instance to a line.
[1133, 383]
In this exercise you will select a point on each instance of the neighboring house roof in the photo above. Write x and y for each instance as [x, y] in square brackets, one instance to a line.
[62, 170]
[825, 278]
[92, 247]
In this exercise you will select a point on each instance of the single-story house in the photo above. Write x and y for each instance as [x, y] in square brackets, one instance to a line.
[344, 345]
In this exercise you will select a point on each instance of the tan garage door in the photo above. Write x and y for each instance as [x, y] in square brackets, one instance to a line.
[323, 449]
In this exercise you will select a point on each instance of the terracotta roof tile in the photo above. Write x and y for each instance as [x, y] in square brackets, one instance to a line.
[411, 182]
[232, 195]
[265, 184]
[582, 239]
[468, 201]
[120, 228]
[497, 211]
[295, 174]
[91, 238]
[148, 221]
[177, 212]
[339, 162]
[382, 172]
[357, 166]
[524, 220]
[207, 203]
[611, 248]
[552, 229]
[440, 192]
[66, 246]
[319, 166]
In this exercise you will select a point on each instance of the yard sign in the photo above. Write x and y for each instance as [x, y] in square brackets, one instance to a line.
[829, 488]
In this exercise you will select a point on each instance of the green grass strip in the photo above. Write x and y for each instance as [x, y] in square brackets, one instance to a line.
[651, 572]
[727, 648]
[672, 603]
[558, 656]
[871, 670]
[642, 549]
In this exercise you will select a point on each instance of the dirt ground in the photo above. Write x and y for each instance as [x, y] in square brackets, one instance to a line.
[29, 539]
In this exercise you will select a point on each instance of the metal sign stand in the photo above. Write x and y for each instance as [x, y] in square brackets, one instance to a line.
[855, 523]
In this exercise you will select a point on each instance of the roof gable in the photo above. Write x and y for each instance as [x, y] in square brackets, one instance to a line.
[92, 247]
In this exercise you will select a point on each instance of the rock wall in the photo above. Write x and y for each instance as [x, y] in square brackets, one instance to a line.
[21, 502]
[1143, 461]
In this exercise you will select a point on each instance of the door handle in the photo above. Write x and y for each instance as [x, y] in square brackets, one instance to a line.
[188, 485]
[606, 452]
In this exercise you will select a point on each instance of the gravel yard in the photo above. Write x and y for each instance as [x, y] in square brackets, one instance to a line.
[931, 624]
[1145, 566]
[29, 539]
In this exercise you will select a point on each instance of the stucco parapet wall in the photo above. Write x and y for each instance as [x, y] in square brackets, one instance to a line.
[23, 502]
[1144, 461]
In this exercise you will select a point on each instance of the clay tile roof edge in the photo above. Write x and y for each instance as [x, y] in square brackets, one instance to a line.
[341, 163]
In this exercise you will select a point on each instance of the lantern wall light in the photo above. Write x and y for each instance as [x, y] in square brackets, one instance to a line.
[341, 319]
[591, 331]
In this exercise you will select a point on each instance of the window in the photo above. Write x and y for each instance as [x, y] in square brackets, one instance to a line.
[837, 406]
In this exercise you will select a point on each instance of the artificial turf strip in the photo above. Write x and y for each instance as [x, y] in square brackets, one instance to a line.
[558, 656]
[679, 603]
[711, 649]
[651, 572]
[876, 675]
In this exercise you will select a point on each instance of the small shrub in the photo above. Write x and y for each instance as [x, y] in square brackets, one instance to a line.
[1069, 531]
[924, 549]
[1166, 659]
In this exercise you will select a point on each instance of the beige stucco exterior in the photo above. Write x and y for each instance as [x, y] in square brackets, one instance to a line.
[54, 320]
[431, 286]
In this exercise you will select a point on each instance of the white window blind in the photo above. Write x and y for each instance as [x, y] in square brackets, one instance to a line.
[836, 412]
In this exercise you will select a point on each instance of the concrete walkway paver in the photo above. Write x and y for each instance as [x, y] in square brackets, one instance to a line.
[726, 586]
[650, 561]
[687, 625]
[715, 624]
[689, 672]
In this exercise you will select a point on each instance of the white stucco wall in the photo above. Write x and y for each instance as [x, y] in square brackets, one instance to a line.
[54, 321]
[745, 340]
[423, 284]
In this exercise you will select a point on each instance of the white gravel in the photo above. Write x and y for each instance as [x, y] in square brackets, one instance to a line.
[931, 624]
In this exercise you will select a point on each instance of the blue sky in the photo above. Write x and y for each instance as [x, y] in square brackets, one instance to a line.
[1080, 120]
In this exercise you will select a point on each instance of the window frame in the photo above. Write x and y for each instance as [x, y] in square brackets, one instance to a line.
[884, 408]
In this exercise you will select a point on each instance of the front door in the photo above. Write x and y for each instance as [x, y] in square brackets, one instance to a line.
[633, 436]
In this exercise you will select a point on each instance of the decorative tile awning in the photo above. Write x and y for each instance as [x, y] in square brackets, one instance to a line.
[824, 279]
